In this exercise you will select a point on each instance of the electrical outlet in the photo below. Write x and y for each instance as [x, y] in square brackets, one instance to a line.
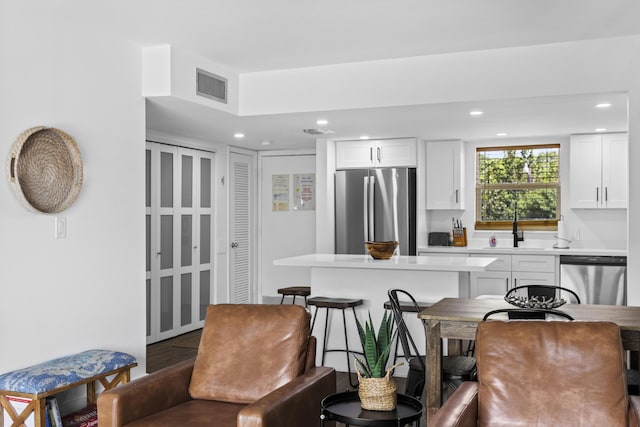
[61, 227]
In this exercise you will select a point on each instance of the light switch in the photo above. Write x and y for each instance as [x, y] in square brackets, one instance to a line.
[61, 227]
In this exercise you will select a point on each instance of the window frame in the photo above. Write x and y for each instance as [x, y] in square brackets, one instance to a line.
[530, 225]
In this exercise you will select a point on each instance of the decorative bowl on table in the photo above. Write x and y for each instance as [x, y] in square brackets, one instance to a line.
[535, 301]
[381, 250]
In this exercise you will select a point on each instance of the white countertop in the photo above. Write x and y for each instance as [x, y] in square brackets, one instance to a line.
[523, 251]
[398, 262]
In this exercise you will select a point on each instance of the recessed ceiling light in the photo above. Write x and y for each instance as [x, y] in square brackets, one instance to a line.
[266, 142]
[238, 135]
[600, 129]
[476, 113]
[363, 137]
[501, 134]
[322, 122]
[603, 105]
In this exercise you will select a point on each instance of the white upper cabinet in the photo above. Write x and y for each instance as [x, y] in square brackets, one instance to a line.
[599, 171]
[376, 153]
[445, 174]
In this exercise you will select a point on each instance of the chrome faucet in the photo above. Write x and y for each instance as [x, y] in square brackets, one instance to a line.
[518, 236]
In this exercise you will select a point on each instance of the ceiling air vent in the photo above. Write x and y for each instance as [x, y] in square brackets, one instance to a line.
[317, 131]
[211, 86]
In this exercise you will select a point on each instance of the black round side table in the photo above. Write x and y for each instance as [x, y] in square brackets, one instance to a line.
[345, 408]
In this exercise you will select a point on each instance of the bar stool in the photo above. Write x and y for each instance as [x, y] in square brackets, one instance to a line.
[295, 291]
[339, 304]
[406, 307]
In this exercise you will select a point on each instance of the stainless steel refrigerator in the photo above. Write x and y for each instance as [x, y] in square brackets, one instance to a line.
[375, 205]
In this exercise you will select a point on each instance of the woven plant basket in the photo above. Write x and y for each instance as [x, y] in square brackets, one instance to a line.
[45, 169]
[377, 394]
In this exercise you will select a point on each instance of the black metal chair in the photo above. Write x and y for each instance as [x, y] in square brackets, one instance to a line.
[455, 369]
[543, 294]
[529, 314]
[548, 293]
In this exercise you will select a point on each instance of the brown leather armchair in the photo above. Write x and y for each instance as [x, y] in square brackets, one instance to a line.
[255, 367]
[537, 373]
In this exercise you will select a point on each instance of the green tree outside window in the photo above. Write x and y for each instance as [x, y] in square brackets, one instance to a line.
[522, 181]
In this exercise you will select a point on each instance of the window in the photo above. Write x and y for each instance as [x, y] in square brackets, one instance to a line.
[518, 181]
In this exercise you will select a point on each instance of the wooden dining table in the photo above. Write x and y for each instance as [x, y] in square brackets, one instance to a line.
[458, 318]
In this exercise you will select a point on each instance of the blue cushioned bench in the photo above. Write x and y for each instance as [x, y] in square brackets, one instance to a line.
[37, 382]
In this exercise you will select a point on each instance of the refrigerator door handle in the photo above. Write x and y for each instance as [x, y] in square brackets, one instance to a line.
[371, 209]
[365, 207]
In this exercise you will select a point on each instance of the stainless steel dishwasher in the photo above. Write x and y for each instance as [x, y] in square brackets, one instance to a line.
[596, 279]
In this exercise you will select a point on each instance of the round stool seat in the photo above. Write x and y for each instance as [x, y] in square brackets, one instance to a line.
[340, 303]
[301, 291]
[295, 291]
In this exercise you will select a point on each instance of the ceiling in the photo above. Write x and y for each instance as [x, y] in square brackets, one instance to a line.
[247, 36]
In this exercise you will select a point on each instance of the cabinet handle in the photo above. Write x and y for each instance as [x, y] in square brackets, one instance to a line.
[379, 150]
[515, 282]
[606, 194]
[456, 196]
[597, 194]
[506, 279]
[371, 154]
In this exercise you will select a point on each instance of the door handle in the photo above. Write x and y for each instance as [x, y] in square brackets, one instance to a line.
[234, 245]
[371, 209]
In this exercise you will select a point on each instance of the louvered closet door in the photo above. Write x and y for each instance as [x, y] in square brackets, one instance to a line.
[242, 286]
[179, 239]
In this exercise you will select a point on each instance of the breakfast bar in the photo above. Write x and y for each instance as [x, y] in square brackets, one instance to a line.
[427, 278]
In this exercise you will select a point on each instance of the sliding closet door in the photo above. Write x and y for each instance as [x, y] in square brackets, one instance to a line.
[179, 239]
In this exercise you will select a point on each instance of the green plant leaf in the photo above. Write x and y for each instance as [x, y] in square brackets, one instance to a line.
[364, 368]
[376, 349]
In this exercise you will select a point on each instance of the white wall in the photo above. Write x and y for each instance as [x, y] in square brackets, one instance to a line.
[87, 291]
[284, 233]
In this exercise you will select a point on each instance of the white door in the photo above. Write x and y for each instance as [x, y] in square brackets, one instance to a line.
[179, 222]
[242, 286]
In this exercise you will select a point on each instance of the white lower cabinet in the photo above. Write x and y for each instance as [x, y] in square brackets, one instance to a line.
[510, 271]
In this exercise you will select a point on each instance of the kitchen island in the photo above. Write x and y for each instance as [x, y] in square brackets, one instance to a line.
[427, 278]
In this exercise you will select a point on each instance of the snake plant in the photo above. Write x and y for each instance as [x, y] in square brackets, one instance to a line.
[376, 348]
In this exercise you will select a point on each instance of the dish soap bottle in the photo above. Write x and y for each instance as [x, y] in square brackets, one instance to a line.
[492, 241]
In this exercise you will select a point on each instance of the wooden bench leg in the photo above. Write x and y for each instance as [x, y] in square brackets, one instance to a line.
[35, 406]
[121, 377]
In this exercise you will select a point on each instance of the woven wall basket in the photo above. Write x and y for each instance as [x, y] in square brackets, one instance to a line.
[45, 169]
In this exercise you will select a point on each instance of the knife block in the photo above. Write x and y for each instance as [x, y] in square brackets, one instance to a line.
[460, 236]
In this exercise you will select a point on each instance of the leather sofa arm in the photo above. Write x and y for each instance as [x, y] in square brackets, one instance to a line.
[634, 411]
[145, 396]
[460, 410]
[292, 405]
